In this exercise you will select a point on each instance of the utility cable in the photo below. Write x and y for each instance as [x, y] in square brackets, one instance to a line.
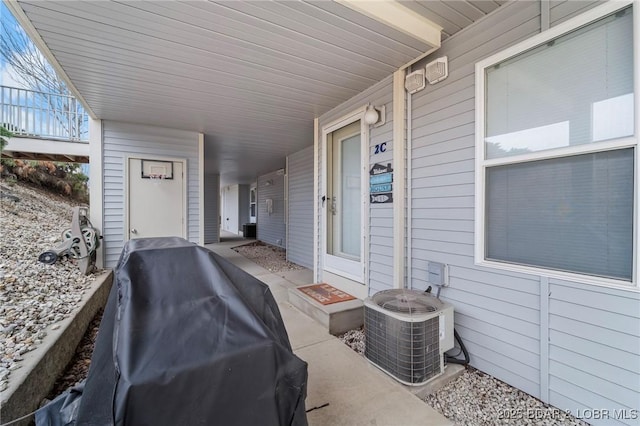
[19, 419]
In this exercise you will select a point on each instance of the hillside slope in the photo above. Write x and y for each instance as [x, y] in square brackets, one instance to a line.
[32, 295]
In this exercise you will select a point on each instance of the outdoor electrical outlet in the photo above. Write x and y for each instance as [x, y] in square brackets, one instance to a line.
[437, 274]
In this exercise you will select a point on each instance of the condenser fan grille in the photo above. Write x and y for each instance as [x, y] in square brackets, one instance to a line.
[409, 351]
[406, 302]
[406, 333]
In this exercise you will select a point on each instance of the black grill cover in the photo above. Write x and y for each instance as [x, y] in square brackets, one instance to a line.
[187, 338]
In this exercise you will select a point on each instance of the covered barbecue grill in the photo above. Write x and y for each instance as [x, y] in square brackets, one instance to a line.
[187, 338]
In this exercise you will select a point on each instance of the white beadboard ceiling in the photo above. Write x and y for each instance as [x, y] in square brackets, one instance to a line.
[251, 75]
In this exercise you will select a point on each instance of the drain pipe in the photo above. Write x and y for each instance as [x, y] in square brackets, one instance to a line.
[453, 360]
[409, 176]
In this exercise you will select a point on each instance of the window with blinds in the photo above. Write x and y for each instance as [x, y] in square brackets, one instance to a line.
[556, 166]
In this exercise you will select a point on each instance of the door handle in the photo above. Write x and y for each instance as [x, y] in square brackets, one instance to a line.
[134, 231]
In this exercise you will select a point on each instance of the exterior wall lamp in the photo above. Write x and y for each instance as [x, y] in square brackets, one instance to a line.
[375, 116]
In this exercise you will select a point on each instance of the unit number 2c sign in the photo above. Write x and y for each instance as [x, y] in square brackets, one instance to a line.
[380, 148]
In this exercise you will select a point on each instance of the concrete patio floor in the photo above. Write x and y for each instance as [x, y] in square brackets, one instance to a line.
[356, 392]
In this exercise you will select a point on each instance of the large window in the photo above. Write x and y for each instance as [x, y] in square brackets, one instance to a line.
[557, 149]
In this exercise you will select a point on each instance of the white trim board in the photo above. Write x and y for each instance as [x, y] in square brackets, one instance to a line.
[96, 182]
[399, 181]
[201, 164]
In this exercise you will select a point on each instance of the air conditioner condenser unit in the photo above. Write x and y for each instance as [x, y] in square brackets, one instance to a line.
[407, 333]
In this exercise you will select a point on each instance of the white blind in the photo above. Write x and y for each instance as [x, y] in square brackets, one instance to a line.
[577, 89]
[571, 214]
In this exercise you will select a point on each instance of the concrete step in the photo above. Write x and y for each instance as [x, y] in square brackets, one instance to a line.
[337, 318]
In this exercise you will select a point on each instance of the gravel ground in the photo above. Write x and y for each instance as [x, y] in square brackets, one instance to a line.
[78, 367]
[269, 257]
[33, 295]
[477, 399]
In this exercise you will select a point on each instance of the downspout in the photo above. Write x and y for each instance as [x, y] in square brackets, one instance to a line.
[409, 283]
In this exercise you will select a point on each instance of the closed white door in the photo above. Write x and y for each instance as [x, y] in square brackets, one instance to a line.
[231, 209]
[344, 244]
[157, 207]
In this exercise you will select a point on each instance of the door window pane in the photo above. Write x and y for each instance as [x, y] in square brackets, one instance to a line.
[350, 194]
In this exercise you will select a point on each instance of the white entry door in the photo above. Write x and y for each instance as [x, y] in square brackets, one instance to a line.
[156, 199]
[344, 244]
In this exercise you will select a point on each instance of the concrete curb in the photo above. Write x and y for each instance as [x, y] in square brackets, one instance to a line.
[31, 383]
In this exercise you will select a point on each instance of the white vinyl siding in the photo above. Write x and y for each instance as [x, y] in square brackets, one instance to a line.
[570, 344]
[126, 139]
[594, 349]
[271, 227]
[300, 210]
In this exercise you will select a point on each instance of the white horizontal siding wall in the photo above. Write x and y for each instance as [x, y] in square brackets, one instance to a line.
[121, 140]
[497, 314]
[211, 208]
[271, 227]
[594, 349]
[380, 243]
[573, 345]
[300, 210]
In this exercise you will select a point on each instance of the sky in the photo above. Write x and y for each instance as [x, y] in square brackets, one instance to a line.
[6, 74]
[6, 79]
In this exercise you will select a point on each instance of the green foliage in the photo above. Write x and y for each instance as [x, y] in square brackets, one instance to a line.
[5, 134]
[8, 162]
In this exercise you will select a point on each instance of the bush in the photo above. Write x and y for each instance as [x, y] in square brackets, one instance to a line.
[5, 134]
[64, 178]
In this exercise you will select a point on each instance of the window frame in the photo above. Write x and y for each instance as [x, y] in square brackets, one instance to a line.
[608, 145]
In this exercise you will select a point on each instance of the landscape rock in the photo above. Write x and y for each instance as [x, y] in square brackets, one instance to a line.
[33, 296]
[478, 399]
[272, 258]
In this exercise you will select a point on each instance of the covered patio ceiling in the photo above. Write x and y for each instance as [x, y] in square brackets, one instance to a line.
[250, 75]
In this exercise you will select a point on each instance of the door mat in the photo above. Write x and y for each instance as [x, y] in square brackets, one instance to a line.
[325, 293]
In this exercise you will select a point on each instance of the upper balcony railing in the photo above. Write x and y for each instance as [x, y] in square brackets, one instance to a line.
[29, 113]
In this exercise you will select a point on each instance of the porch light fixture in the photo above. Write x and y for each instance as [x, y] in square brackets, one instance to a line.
[375, 116]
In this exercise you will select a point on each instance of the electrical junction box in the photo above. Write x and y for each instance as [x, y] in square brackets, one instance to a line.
[437, 273]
